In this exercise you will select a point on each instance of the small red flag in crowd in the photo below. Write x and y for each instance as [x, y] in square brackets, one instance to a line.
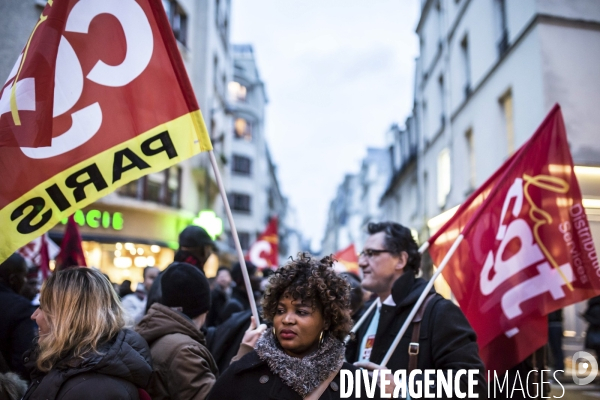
[264, 252]
[71, 252]
[527, 249]
[39, 252]
[348, 258]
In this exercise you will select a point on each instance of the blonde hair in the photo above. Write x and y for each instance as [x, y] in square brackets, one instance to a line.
[82, 310]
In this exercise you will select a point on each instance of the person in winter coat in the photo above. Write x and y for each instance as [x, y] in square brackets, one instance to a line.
[592, 316]
[82, 350]
[390, 262]
[183, 366]
[195, 246]
[17, 330]
[302, 355]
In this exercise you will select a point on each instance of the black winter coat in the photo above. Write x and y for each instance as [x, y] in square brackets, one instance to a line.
[123, 366]
[250, 378]
[446, 339]
[17, 330]
[224, 341]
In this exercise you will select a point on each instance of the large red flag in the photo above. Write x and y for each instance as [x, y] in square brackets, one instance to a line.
[103, 85]
[265, 251]
[71, 253]
[527, 248]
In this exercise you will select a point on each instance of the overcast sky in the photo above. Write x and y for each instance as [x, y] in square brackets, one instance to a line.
[337, 73]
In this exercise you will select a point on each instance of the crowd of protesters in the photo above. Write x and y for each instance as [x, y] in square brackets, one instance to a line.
[180, 335]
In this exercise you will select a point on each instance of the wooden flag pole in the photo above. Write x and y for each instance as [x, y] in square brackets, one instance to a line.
[410, 317]
[236, 239]
[362, 319]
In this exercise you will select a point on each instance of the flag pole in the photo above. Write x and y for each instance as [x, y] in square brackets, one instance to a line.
[410, 317]
[362, 319]
[236, 239]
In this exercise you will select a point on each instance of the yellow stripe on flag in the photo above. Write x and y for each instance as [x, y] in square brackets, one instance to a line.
[37, 211]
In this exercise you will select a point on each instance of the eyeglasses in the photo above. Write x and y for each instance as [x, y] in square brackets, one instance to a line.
[372, 252]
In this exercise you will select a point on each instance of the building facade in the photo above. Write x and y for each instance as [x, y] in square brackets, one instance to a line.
[357, 203]
[253, 188]
[488, 73]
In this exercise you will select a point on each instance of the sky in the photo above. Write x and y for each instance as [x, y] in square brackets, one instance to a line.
[337, 74]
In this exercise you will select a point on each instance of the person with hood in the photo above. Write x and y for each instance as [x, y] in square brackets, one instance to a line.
[195, 246]
[183, 366]
[443, 340]
[82, 350]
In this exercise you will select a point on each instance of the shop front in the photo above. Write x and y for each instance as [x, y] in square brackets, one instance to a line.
[122, 241]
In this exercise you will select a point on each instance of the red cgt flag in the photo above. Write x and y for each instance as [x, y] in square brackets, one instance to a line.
[264, 252]
[102, 85]
[527, 248]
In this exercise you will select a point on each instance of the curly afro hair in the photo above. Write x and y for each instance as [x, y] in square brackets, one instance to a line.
[312, 280]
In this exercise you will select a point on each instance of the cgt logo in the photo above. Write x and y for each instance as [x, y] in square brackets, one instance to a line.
[69, 80]
[585, 368]
[498, 269]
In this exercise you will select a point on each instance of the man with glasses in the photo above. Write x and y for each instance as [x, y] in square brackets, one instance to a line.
[390, 262]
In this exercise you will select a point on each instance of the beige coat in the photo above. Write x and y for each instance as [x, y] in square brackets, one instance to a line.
[183, 368]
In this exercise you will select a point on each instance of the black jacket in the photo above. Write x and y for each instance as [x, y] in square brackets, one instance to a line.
[17, 330]
[251, 379]
[446, 340]
[224, 340]
[123, 366]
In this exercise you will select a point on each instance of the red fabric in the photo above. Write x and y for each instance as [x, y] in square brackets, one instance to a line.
[264, 252]
[348, 258]
[71, 252]
[143, 395]
[33, 128]
[37, 252]
[160, 93]
[520, 228]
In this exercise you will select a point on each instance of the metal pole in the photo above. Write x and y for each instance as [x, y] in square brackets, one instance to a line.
[410, 317]
[236, 239]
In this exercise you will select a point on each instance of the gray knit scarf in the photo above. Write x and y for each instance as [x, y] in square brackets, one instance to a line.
[301, 374]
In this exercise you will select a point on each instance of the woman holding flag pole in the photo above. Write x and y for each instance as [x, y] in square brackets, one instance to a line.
[307, 304]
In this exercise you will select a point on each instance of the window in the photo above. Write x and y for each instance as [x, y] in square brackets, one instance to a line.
[240, 202]
[159, 187]
[242, 165]
[442, 105]
[244, 240]
[466, 65]
[506, 102]
[237, 91]
[242, 129]
[471, 155]
[501, 26]
[221, 21]
[443, 177]
[178, 20]
[172, 187]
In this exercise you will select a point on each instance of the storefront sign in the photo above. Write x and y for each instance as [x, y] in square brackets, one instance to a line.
[97, 219]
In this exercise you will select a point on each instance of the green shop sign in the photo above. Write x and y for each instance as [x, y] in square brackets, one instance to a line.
[97, 219]
[208, 220]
